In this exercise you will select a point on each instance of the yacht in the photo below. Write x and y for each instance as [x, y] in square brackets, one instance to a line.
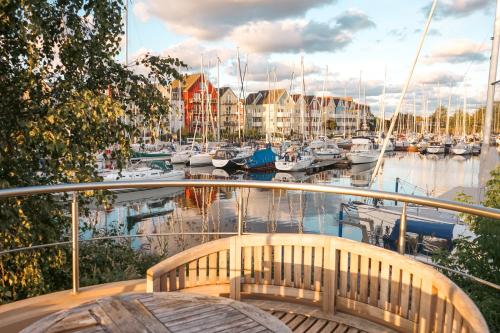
[231, 157]
[436, 148]
[329, 151]
[182, 156]
[422, 146]
[461, 148]
[362, 151]
[401, 145]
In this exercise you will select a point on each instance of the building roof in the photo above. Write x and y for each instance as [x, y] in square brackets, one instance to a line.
[188, 81]
[264, 97]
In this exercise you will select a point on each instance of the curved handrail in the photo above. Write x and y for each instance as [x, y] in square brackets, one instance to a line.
[418, 200]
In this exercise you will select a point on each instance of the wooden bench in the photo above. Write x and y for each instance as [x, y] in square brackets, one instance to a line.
[333, 273]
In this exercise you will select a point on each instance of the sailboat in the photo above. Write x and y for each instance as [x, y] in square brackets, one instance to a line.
[294, 161]
[462, 147]
[229, 158]
[435, 147]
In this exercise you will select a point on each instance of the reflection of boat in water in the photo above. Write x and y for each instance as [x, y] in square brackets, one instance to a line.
[201, 170]
[361, 174]
[290, 177]
[147, 195]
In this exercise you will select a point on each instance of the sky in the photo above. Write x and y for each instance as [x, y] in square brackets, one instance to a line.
[342, 42]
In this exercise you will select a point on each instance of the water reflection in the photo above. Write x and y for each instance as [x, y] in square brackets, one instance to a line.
[180, 211]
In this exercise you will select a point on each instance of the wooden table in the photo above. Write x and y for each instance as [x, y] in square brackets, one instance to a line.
[161, 312]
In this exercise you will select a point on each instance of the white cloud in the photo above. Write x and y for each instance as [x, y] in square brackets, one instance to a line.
[301, 35]
[459, 8]
[140, 10]
[458, 51]
[216, 18]
[191, 50]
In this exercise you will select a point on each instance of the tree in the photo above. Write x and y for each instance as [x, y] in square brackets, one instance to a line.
[65, 98]
[479, 256]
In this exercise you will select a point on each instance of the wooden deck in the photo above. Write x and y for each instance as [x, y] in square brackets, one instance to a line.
[162, 313]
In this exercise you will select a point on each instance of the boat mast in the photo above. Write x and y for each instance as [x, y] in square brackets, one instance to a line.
[414, 114]
[345, 107]
[322, 123]
[358, 120]
[303, 101]
[448, 115]
[382, 106]
[241, 90]
[218, 100]
[437, 127]
[464, 125]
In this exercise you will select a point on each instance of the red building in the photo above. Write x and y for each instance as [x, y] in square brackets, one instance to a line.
[200, 101]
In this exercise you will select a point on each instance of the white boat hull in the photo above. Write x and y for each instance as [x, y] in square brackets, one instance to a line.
[435, 150]
[460, 151]
[299, 165]
[362, 158]
[180, 157]
[200, 160]
[220, 163]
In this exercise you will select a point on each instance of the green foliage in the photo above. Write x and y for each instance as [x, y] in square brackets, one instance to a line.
[65, 98]
[479, 256]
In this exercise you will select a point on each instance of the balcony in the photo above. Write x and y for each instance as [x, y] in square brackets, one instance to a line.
[309, 282]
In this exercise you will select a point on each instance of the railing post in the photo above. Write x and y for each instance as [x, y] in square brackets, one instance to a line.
[396, 189]
[74, 236]
[402, 231]
[240, 212]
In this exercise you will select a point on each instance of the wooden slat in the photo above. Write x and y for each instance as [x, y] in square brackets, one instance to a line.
[287, 265]
[318, 326]
[74, 322]
[384, 286]
[305, 325]
[425, 320]
[120, 316]
[212, 268]
[235, 267]
[278, 259]
[164, 282]
[223, 266]
[142, 314]
[416, 286]
[257, 264]
[267, 264]
[395, 286]
[288, 317]
[182, 276]
[172, 280]
[374, 281]
[330, 326]
[353, 273]
[405, 293]
[247, 264]
[297, 266]
[193, 279]
[363, 279]
[457, 322]
[202, 270]
[318, 267]
[448, 319]
[440, 312]
[344, 268]
[307, 267]
[329, 277]
[299, 319]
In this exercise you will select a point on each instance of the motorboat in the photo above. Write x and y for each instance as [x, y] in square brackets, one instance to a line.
[461, 148]
[329, 151]
[363, 151]
[231, 157]
[436, 148]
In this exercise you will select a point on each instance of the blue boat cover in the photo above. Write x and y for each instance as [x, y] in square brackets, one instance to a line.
[261, 158]
[424, 228]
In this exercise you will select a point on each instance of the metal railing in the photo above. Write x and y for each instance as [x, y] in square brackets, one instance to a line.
[339, 190]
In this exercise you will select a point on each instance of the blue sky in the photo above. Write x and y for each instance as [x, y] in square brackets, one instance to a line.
[349, 37]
